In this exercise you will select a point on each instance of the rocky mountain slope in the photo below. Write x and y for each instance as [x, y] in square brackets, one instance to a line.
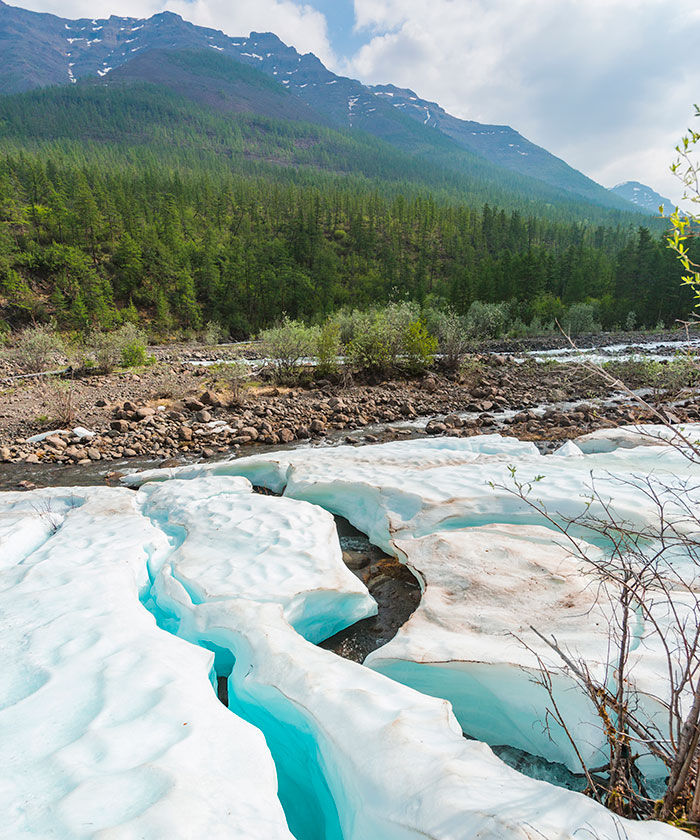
[38, 50]
[645, 198]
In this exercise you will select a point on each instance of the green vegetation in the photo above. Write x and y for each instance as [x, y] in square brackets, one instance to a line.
[130, 204]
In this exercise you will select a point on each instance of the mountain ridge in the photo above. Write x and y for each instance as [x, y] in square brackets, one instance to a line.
[644, 197]
[74, 50]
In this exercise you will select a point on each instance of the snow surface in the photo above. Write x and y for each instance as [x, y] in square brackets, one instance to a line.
[489, 569]
[109, 726]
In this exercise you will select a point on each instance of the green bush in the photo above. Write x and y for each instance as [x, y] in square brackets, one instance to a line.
[486, 320]
[328, 348]
[213, 333]
[125, 346]
[581, 318]
[369, 349]
[452, 335]
[419, 347]
[388, 339]
[286, 345]
[36, 348]
[233, 376]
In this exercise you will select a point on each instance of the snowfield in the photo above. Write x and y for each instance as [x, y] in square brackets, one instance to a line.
[122, 611]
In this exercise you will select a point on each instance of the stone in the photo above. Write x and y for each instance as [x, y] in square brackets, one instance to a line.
[119, 426]
[302, 432]
[194, 405]
[285, 435]
[144, 412]
[5, 453]
[211, 398]
[56, 442]
[203, 416]
[435, 427]
[317, 425]
[94, 454]
[184, 433]
[249, 432]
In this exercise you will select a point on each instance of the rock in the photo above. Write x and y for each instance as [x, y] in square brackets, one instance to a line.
[302, 432]
[429, 384]
[129, 407]
[285, 435]
[336, 402]
[119, 426]
[203, 416]
[317, 425]
[5, 453]
[129, 453]
[407, 409]
[31, 459]
[94, 454]
[56, 442]
[144, 412]
[211, 398]
[435, 427]
[184, 433]
[249, 432]
[101, 403]
[194, 405]
[453, 421]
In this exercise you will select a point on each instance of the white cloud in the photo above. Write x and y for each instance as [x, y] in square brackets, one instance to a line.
[606, 84]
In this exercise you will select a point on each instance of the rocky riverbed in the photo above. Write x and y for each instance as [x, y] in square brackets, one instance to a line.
[174, 410]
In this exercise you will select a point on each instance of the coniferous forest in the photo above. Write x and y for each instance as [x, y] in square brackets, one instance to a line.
[129, 203]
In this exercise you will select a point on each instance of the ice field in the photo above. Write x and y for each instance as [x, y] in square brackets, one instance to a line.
[122, 608]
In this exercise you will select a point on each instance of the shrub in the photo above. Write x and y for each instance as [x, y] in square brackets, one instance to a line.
[61, 399]
[213, 333]
[582, 318]
[233, 376]
[630, 321]
[389, 338]
[126, 347]
[452, 336]
[328, 348]
[370, 350]
[36, 347]
[419, 347]
[486, 320]
[286, 345]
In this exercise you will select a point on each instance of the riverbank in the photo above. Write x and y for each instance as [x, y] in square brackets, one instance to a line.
[174, 410]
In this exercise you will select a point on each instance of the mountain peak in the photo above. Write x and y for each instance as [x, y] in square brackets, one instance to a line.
[643, 197]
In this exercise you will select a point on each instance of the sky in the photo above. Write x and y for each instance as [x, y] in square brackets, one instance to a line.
[607, 85]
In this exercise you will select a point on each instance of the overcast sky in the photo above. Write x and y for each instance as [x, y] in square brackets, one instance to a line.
[608, 85]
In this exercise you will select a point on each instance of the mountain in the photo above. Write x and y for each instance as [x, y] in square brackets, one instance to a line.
[39, 50]
[643, 197]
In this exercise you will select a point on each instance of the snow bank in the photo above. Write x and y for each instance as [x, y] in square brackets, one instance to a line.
[109, 727]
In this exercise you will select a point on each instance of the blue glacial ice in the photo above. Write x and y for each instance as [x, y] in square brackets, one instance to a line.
[109, 722]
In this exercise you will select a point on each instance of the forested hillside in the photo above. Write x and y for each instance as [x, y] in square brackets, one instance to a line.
[156, 195]
[96, 244]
